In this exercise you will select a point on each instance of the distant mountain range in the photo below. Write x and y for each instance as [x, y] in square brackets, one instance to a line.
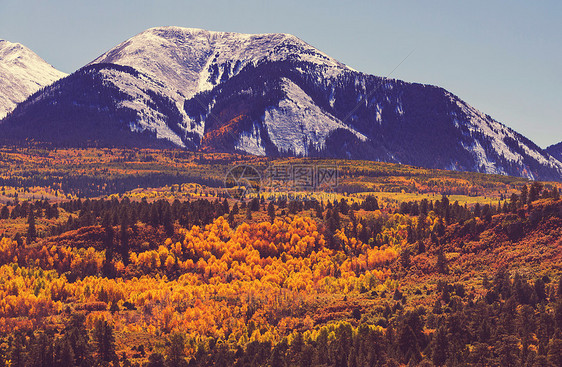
[269, 94]
[22, 73]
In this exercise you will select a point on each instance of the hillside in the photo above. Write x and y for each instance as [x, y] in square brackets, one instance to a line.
[412, 267]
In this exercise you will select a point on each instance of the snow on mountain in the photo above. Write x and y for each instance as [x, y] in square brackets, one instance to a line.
[500, 136]
[193, 60]
[268, 94]
[23, 73]
[189, 61]
[298, 122]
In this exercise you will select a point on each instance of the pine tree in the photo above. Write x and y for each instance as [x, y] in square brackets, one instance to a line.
[40, 351]
[109, 248]
[124, 236]
[31, 230]
[441, 265]
[405, 259]
[555, 350]
[534, 191]
[525, 326]
[271, 211]
[524, 195]
[439, 347]
[63, 353]
[421, 247]
[176, 352]
[79, 341]
[156, 360]
[558, 315]
[370, 203]
[508, 350]
[168, 223]
[17, 352]
[5, 212]
[104, 341]
[319, 211]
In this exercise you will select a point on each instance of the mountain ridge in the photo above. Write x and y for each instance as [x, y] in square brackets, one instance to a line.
[275, 95]
[555, 150]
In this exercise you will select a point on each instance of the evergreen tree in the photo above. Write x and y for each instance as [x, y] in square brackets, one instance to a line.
[370, 203]
[17, 352]
[534, 191]
[319, 211]
[176, 352]
[477, 210]
[31, 230]
[156, 360]
[421, 247]
[5, 212]
[63, 353]
[271, 211]
[40, 352]
[109, 248]
[124, 236]
[225, 206]
[78, 339]
[168, 223]
[524, 195]
[507, 349]
[440, 347]
[555, 350]
[441, 265]
[104, 341]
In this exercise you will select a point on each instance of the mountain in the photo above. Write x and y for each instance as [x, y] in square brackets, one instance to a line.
[23, 73]
[269, 94]
[555, 151]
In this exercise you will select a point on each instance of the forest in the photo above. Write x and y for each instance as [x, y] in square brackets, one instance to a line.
[399, 267]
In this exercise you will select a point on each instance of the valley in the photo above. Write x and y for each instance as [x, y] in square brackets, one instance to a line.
[143, 254]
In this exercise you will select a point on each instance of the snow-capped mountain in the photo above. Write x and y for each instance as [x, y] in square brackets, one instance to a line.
[555, 151]
[269, 94]
[191, 61]
[22, 73]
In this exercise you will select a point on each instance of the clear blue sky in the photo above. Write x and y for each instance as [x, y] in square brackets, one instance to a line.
[503, 57]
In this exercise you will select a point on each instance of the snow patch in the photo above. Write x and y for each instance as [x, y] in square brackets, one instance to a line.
[250, 142]
[299, 123]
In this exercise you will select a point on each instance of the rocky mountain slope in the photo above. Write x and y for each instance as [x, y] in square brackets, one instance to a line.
[269, 94]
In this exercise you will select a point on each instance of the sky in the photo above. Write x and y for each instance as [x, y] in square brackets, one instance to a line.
[502, 57]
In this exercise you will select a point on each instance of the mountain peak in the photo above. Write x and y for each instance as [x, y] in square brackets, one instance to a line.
[171, 30]
[10, 50]
[23, 73]
[187, 58]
